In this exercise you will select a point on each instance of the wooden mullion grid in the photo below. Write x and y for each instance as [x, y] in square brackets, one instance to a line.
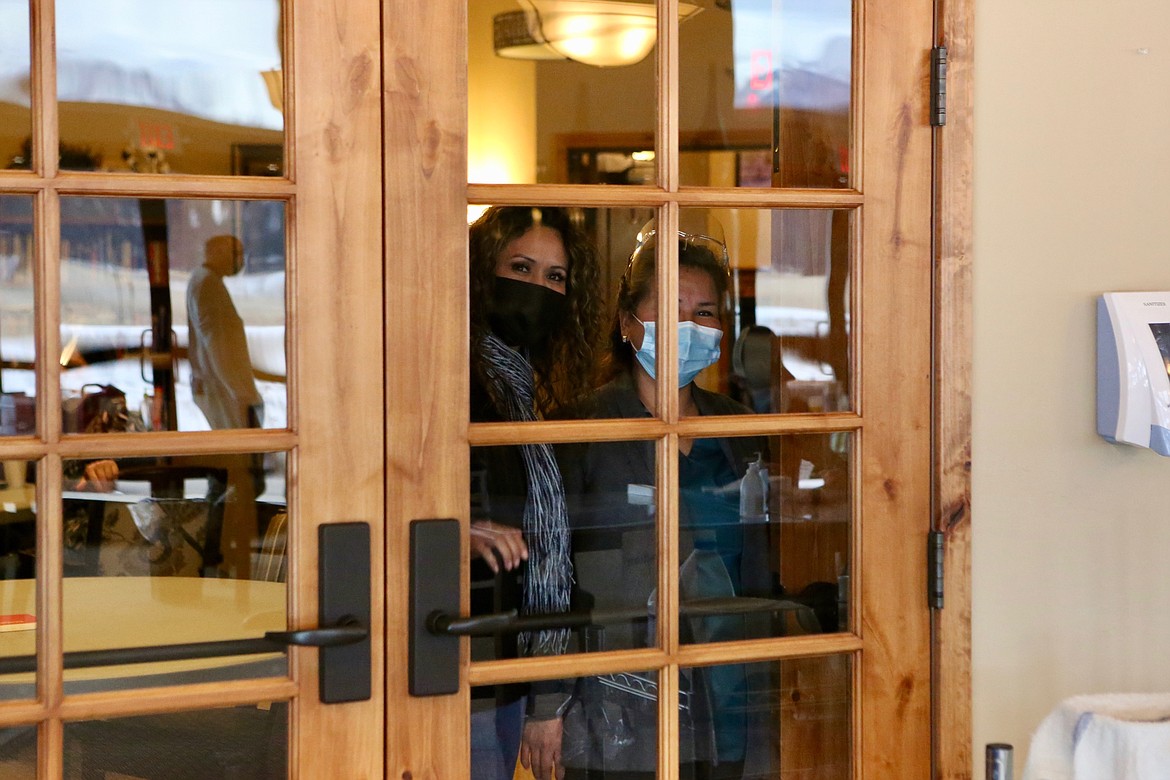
[638, 196]
[43, 87]
[49, 523]
[856, 575]
[292, 314]
[47, 282]
[621, 429]
[667, 601]
[50, 749]
[666, 127]
[666, 394]
[506, 671]
[856, 583]
[178, 698]
[14, 714]
[175, 186]
[167, 443]
[857, 85]
[151, 701]
[50, 629]
[583, 195]
[288, 57]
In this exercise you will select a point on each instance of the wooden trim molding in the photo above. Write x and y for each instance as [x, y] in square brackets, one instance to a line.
[954, 162]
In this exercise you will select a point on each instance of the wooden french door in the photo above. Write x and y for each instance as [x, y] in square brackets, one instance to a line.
[112, 197]
[881, 202]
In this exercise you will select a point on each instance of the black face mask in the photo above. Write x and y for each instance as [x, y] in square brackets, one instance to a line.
[524, 314]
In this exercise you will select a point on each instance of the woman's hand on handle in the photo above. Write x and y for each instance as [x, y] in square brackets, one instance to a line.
[498, 545]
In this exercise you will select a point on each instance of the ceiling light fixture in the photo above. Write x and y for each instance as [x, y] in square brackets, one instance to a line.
[605, 33]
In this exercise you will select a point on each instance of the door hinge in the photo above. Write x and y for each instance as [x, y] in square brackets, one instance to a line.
[935, 551]
[938, 86]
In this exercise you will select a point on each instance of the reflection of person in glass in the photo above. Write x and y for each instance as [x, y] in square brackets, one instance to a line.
[224, 388]
[611, 732]
[222, 382]
[535, 318]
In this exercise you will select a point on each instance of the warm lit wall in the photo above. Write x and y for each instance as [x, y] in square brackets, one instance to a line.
[1071, 534]
[501, 144]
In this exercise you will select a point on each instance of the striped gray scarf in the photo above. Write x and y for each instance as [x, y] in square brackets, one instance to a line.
[546, 522]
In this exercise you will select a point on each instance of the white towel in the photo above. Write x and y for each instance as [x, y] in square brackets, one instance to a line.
[1116, 736]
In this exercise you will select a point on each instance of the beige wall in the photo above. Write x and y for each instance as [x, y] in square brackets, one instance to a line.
[501, 138]
[1072, 535]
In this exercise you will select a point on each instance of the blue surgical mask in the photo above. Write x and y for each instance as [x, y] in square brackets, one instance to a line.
[698, 347]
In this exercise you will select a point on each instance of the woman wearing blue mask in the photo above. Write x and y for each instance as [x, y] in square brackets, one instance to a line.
[535, 321]
[702, 305]
[610, 734]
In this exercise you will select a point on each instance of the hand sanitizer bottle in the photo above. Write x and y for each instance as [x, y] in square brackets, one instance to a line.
[753, 493]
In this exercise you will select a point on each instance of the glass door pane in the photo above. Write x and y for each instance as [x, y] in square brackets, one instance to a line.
[174, 310]
[560, 60]
[765, 94]
[171, 87]
[15, 77]
[17, 317]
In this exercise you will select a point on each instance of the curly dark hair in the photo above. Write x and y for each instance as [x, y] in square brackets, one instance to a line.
[638, 281]
[566, 368]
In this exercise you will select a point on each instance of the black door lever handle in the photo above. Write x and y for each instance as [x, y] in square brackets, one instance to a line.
[445, 624]
[348, 631]
[439, 622]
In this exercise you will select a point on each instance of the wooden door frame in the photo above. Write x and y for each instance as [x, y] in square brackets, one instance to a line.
[425, 148]
[331, 212]
[951, 488]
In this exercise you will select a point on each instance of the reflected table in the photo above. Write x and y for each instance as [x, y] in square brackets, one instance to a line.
[107, 613]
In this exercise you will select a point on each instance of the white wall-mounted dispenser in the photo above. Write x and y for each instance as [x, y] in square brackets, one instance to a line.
[1133, 369]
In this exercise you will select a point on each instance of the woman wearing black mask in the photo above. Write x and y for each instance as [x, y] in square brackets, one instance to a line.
[536, 314]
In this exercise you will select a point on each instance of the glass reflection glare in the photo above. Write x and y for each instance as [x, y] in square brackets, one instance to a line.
[172, 314]
[15, 77]
[765, 92]
[18, 526]
[17, 318]
[173, 550]
[768, 720]
[764, 525]
[788, 349]
[520, 113]
[170, 87]
[212, 516]
[246, 743]
[18, 745]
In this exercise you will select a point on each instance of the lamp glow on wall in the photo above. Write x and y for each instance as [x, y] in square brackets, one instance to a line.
[605, 33]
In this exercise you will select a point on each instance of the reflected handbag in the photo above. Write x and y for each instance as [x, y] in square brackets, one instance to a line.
[99, 409]
[611, 722]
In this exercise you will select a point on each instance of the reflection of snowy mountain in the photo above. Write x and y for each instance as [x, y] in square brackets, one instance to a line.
[203, 59]
[802, 90]
[807, 44]
[105, 311]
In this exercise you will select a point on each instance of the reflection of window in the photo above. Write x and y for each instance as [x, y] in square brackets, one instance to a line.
[610, 166]
[202, 59]
[1161, 331]
[257, 160]
[111, 306]
[797, 52]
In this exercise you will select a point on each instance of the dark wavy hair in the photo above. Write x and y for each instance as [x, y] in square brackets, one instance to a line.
[566, 368]
[639, 280]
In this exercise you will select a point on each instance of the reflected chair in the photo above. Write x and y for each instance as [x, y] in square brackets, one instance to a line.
[269, 558]
[164, 517]
[752, 361]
